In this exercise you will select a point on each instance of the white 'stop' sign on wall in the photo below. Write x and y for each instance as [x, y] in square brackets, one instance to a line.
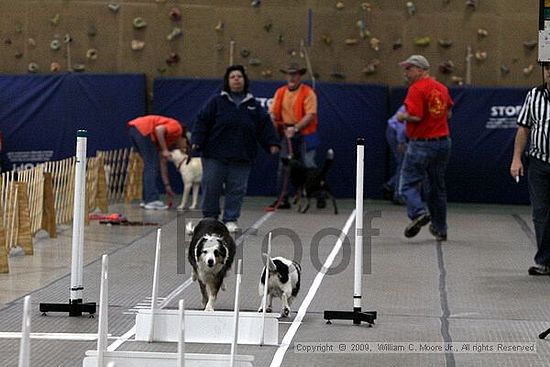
[503, 117]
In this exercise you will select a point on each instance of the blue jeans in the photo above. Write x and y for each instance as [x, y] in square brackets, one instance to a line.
[426, 158]
[151, 166]
[215, 174]
[539, 193]
[391, 138]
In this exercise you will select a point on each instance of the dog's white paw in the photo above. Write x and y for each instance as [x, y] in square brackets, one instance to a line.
[209, 308]
[181, 207]
[193, 207]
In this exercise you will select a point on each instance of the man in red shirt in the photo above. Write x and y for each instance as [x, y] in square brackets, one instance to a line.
[153, 136]
[428, 105]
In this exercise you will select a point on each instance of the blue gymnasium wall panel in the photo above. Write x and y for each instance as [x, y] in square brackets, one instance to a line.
[483, 129]
[346, 111]
[40, 114]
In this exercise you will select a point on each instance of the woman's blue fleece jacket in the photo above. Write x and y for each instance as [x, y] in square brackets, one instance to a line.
[231, 133]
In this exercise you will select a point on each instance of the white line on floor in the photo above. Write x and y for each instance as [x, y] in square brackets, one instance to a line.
[114, 346]
[287, 339]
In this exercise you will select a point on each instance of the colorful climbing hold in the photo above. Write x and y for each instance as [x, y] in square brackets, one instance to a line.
[176, 32]
[55, 45]
[114, 7]
[411, 8]
[33, 67]
[175, 14]
[91, 54]
[445, 43]
[422, 41]
[139, 23]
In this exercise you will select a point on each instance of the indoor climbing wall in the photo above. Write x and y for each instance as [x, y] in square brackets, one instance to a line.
[483, 42]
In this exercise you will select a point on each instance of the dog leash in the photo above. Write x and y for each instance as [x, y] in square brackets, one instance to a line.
[286, 177]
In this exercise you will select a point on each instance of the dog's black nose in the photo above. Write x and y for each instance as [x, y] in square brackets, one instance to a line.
[210, 262]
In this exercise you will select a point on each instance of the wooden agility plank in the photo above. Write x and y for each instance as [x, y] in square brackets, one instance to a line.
[134, 184]
[24, 235]
[4, 266]
[11, 213]
[102, 200]
[48, 207]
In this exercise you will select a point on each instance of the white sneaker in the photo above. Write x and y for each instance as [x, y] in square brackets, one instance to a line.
[232, 227]
[142, 204]
[156, 205]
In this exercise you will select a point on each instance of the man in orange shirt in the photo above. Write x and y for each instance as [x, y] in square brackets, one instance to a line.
[294, 114]
[153, 136]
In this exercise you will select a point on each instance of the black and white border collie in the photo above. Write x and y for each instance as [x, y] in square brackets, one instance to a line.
[284, 283]
[211, 254]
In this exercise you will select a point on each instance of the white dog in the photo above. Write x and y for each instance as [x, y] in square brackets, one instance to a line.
[191, 175]
[284, 282]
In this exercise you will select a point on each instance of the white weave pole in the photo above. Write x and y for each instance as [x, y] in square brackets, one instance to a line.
[77, 261]
[236, 315]
[357, 284]
[103, 326]
[154, 295]
[25, 344]
[266, 278]
[181, 335]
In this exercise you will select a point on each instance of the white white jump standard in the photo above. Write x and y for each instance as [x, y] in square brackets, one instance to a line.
[154, 295]
[264, 296]
[356, 315]
[75, 307]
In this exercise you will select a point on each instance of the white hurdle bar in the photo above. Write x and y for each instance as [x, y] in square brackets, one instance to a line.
[25, 344]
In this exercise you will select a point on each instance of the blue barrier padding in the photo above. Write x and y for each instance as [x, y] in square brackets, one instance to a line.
[346, 112]
[42, 113]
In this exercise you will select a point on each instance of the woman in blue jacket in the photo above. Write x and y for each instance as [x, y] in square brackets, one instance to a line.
[226, 133]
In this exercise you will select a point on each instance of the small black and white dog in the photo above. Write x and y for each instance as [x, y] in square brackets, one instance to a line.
[284, 283]
[211, 254]
[311, 182]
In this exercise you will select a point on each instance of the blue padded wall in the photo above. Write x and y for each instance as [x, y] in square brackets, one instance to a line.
[40, 114]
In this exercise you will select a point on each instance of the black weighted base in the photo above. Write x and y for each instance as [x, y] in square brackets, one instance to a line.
[357, 316]
[74, 308]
